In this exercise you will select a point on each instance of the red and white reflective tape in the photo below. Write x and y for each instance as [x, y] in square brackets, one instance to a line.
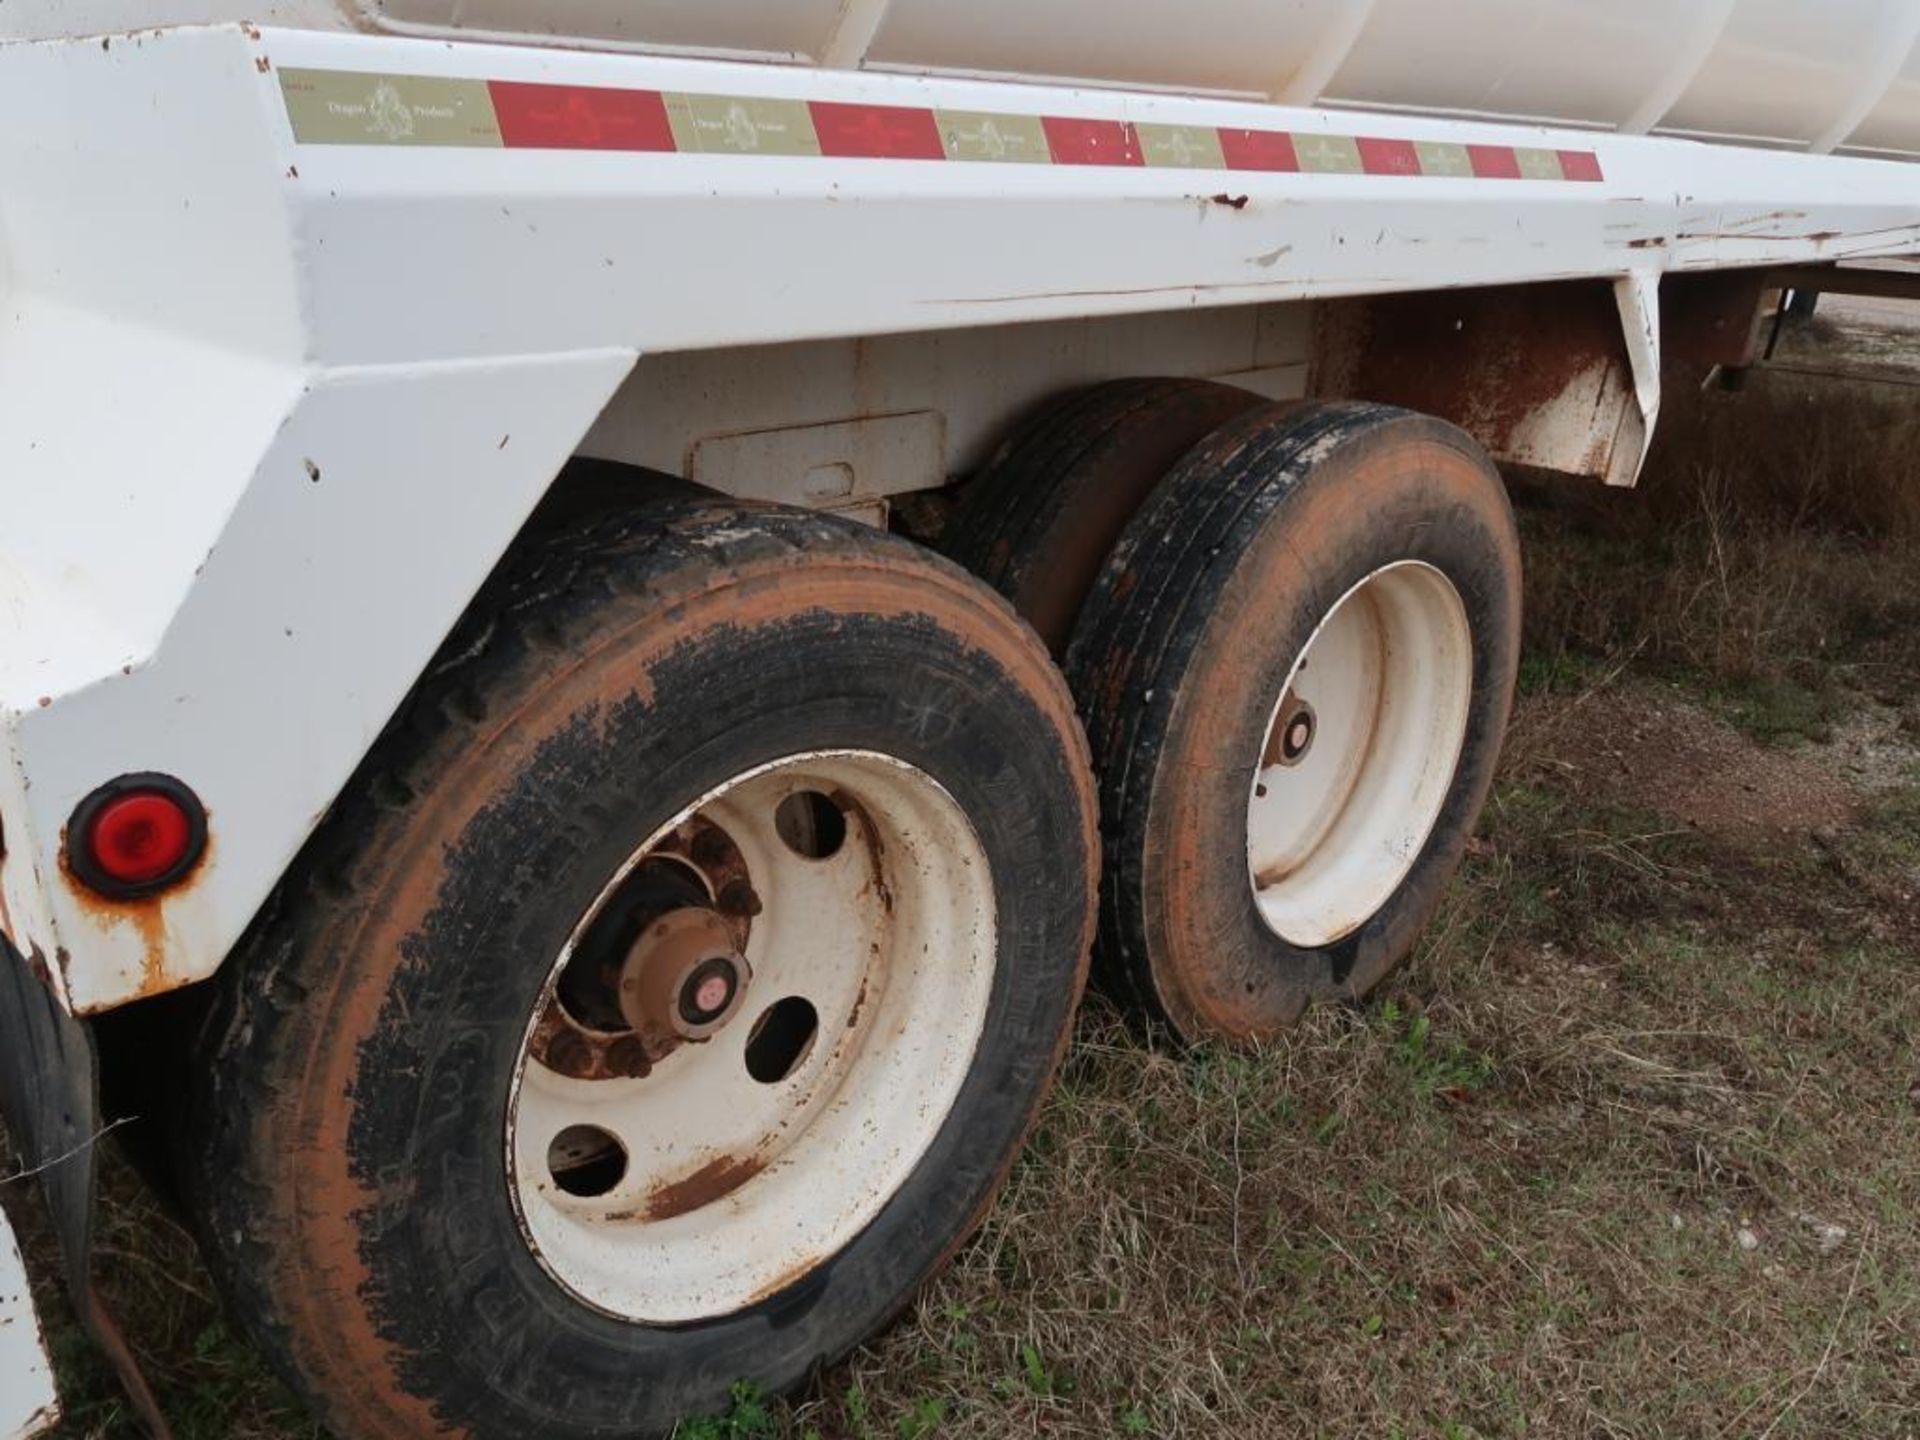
[332, 107]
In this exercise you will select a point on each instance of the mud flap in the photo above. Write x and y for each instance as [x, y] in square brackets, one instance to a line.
[50, 1098]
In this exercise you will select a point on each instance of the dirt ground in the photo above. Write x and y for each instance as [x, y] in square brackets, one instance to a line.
[1631, 1148]
[1649, 747]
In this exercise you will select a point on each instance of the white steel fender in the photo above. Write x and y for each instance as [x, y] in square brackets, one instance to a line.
[226, 555]
[272, 402]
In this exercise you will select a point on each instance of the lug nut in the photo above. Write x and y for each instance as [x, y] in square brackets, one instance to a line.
[569, 1054]
[738, 898]
[627, 1057]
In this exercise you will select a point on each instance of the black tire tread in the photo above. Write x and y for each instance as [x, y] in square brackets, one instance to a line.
[1013, 499]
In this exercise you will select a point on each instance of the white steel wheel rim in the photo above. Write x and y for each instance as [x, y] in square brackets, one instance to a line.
[891, 940]
[1380, 697]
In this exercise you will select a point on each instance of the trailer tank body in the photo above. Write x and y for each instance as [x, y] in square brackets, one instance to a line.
[1819, 75]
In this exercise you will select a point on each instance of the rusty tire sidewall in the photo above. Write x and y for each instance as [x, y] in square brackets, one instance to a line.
[1284, 514]
[391, 1245]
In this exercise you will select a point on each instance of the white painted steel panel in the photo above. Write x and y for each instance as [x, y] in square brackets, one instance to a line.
[975, 378]
[29, 1404]
[1784, 69]
[1161, 46]
[825, 464]
[771, 28]
[1894, 122]
[690, 252]
[1566, 60]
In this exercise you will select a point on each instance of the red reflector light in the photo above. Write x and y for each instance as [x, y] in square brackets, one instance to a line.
[136, 836]
[139, 838]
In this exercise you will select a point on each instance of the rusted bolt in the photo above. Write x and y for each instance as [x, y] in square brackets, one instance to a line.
[738, 898]
[627, 1057]
[569, 1053]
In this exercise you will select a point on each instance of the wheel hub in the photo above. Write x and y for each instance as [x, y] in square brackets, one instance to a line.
[683, 980]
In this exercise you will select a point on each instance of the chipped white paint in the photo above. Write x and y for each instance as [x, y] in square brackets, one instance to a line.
[825, 466]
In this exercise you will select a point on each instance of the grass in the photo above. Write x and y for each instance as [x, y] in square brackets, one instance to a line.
[1761, 562]
[1631, 1148]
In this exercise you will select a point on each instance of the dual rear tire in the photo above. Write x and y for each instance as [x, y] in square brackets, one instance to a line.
[665, 999]
[1295, 668]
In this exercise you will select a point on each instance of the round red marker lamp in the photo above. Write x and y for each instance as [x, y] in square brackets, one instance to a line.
[136, 836]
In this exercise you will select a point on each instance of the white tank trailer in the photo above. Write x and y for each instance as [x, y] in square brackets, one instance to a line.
[602, 603]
